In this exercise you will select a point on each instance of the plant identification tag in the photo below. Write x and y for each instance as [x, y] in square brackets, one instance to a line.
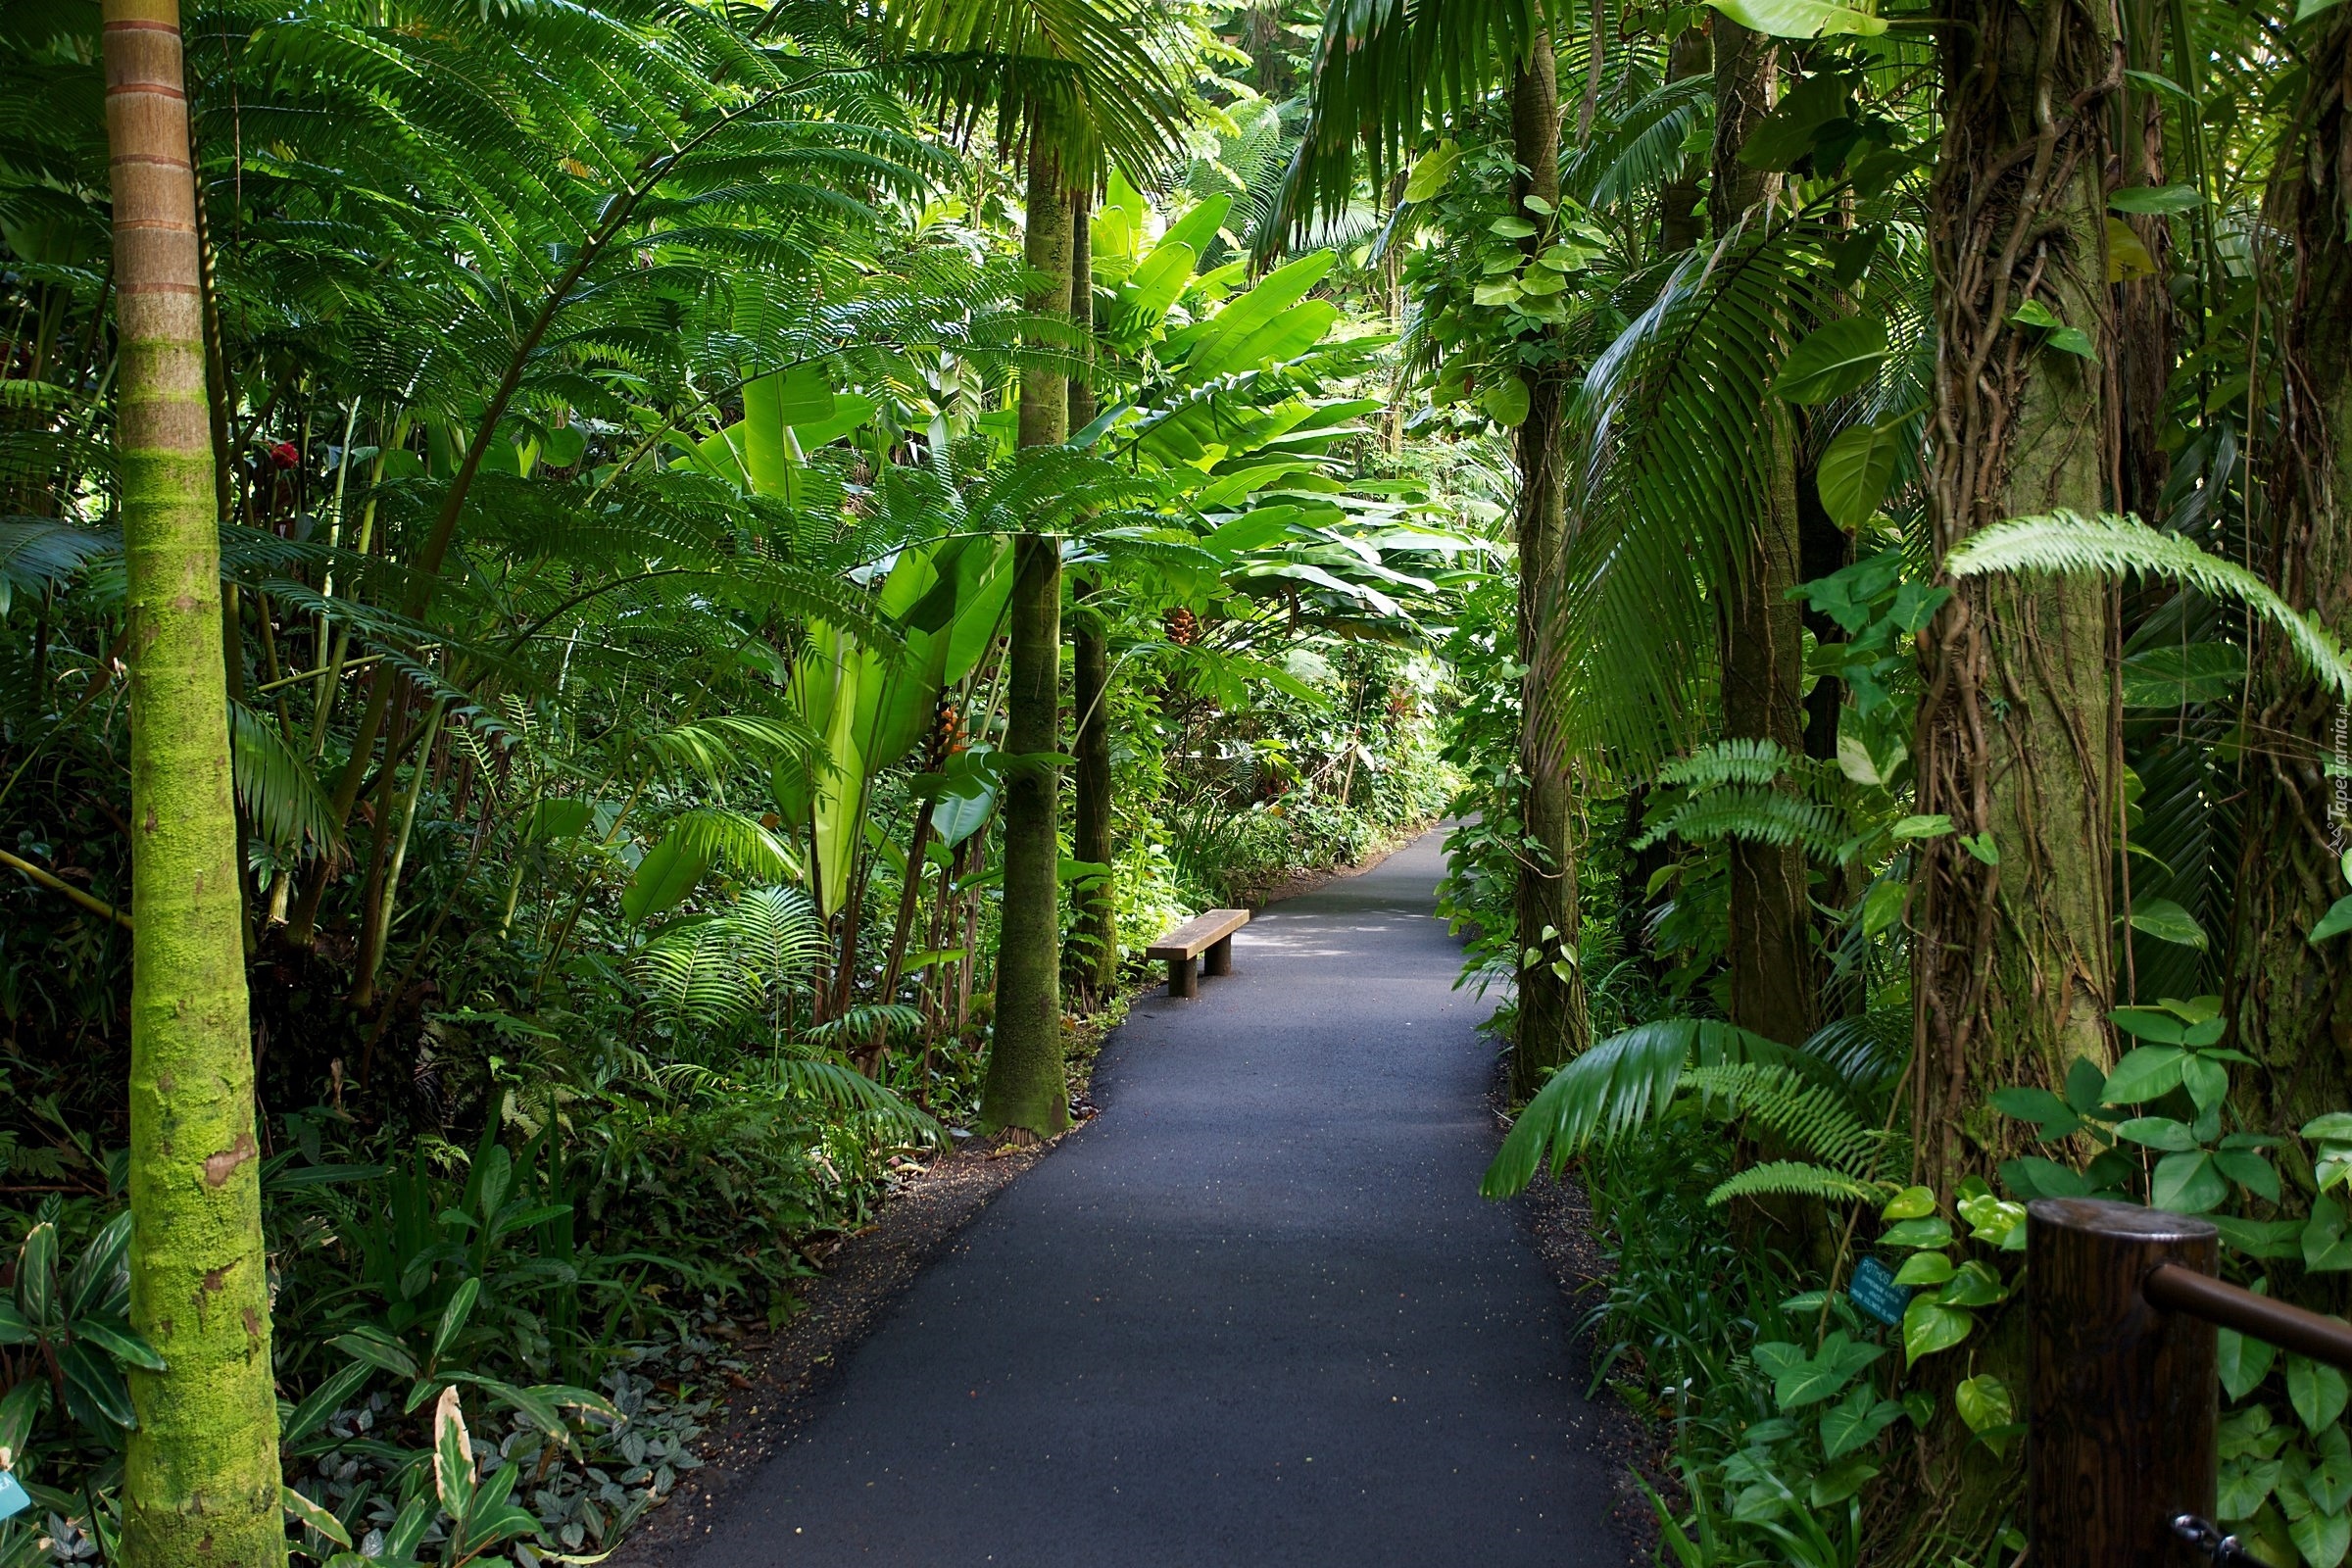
[13, 1500]
[1875, 1292]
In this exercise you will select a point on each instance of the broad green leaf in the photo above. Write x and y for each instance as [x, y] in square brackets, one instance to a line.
[1507, 401]
[1912, 1202]
[453, 1315]
[2158, 1132]
[2186, 1184]
[2329, 1482]
[2154, 198]
[2309, 9]
[1430, 172]
[2316, 1389]
[2334, 923]
[1857, 469]
[1836, 360]
[306, 1512]
[2243, 1362]
[1855, 1421]
[1975, 1284]
[663, 879]
[1800, 19]
[2168, 922]
[1924, 1269]
[1985, 1401]
[1799, 1380]
[2146, 1073]
[1929, 1326]
[2322, 1537]
[1928, 1232]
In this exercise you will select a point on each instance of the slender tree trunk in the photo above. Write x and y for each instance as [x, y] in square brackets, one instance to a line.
[1773, 989]
[200, 1478]
[2292, 1002]
[2144, 304]
[1552, 1026]
[1692, 55]
[2013, 939]
[1027, 1088]
[1095, 967]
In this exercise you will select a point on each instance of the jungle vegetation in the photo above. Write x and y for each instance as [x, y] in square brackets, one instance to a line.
[619, 620]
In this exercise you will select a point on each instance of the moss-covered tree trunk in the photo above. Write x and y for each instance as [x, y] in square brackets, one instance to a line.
[1026, 1087]
[1096, 965]
[1770, 943]
[2292, 1002]
[2012, 911]
[200, 1478]
[1552, 1026]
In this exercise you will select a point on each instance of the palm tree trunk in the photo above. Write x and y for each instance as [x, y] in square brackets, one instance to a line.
[1552, 1025]
[2292, 1002]
[1773, 989]
[1027, 1088]
[200, 1478]
[2012, 951]
[1095, 967]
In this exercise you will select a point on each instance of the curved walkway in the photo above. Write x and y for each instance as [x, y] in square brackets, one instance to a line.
[1254, 1313]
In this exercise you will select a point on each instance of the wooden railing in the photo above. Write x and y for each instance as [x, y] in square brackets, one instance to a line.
[2125, 1395]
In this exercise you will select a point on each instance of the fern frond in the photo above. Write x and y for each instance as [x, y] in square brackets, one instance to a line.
[1743, 759]
[2109, 545]
[1753, 812]
[1793, 1178]
[1809, 1116]
[845, 1089]
[1622, 1083]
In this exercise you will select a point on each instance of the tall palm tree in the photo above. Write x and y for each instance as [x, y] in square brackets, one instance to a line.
[201, 1474]
[1084, 84]
[1382, 72]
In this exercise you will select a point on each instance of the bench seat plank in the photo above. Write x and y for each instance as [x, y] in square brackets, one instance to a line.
[1212, 933]
[1188, 939]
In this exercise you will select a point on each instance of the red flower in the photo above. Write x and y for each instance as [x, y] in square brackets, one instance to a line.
[284, 455]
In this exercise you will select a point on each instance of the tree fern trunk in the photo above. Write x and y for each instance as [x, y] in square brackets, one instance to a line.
[2292, 1002]
[1552, 1026]
[200, 1478]
[1026, 1087]
[2012, 969]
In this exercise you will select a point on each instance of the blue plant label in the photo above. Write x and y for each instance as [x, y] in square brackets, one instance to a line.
[13, 1500]
[1875, 1292]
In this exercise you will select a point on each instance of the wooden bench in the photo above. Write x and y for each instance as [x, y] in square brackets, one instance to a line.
[1211, 933]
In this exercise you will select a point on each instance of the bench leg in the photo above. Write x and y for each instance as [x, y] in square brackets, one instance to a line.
[1184, 978]
[1220, 957]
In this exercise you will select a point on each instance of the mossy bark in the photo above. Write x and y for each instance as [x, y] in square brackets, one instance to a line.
[1769, 945]
[2292, 1002]
[1026, 1087]
[1095, 967]
[2011, 913]
[1552, 1026]
[200, 1478]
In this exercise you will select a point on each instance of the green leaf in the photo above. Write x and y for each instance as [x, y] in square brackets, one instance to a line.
[453, 1315]
[2168, 922]
[119, 1343]
[1511, 227]
[1799, 1380]
[2316, 1389]
[1976, 1285]
[36, 1278]
[1507, 401]
[324, 1402]
[378, 1350]
[1430, 172]
[1931, 1232]
[2329, 1482]
[1856, 1421]
[1835, 361]
[2334, 923]
[2186, 1184]
[1929, 1326]
[1800, 19]
[2146, 1073]
[1924, 1269]
[663, 878]
[1985, 1401]
[305, 1512]
[1912, 1202]
[2309, 9]
[2158, 1132]
[2244, 1362]
[1856, 469]
[453, 1455]
[2154, 198]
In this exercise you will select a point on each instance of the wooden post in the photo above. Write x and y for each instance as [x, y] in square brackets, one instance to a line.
[1220, 957]
[1184, 978]
[2125, 1395]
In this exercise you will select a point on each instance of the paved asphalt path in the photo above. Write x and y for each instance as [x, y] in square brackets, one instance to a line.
[1254, 1313]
